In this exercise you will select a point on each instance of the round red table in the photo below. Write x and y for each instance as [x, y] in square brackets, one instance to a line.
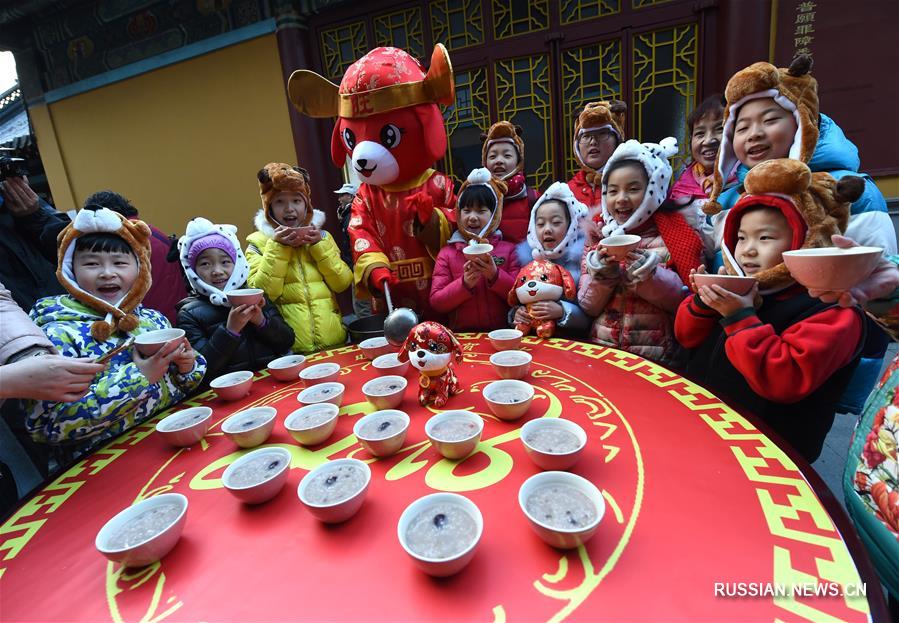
[706, 519]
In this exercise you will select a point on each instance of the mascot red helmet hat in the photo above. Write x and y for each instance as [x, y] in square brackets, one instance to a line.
[388, 119]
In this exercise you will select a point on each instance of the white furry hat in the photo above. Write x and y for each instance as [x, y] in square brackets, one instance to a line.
[653, 157]
[197, 229]
[577, 211]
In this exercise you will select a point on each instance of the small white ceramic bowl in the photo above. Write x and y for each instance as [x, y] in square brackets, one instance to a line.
[511, 364]
[315, 434]
[619, 246]
[477, 250]
[440, 567]
[186, 427]
[505, 339]
[264, 490]
[553, 460]
[392, 398]
[732, 283]
[286, 368]
[338, 511]
[375, 347]
[233, 386]
[250, 427]
[558, 537]
[152, 549]
[322, 392]
[389, 364]
[391, 441]
[509, 410]
[320, 373]
[151, 342]
[244, 296]
[459, 448]
[832, 268]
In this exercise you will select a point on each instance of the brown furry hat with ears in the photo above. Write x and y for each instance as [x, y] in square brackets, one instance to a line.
[597, 116]
[815, 205]
[137, 235]
[504, 132]
[793, 89]
[276, 177]
[482, 177]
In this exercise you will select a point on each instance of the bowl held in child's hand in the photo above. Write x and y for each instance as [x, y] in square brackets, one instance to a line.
[732, 283]
[619, 246]
[832, 268]
[245, 296]
[151, 342]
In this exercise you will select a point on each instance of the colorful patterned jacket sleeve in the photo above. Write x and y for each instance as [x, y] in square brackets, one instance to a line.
[119, 397]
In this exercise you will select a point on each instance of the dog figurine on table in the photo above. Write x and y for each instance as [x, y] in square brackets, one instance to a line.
[433, 350]
[541, 280]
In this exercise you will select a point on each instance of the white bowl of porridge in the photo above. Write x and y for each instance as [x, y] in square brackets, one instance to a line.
[454, 434]
[553, 443]
[334, 492]
[472, 251]
[185, 427]
[390, 364]
[322, 392]
[245, 296]
[509, 399]
[563, 508]
[257, 476]
[441, 532]
[375, 347]
[382, 433]
[144, 533]
[511, 364]
[286, 368]
[320, 373]
[505, 339]
[250, 427]
[151, 342]
[385, 392]
[312, 424]
[619, 246]
[233, 386]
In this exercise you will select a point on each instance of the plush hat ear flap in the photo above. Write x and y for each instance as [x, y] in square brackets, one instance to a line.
[101, 330]
[484, 136]
[458, 355]
[712, 207]
[618, 107]
[518, 130]
[263, 176]
[850, 188]
[129, 323]
[800, 65]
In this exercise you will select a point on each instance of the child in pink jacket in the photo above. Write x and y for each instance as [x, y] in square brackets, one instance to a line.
[472, 291]
[635, 300]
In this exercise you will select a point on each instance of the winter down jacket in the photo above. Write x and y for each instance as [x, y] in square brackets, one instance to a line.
[301, 282]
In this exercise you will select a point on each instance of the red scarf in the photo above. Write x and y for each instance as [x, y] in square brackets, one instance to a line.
[682, 242]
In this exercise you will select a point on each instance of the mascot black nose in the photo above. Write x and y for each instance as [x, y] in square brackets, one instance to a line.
[421, 354]
[362, 162]
[532, 284]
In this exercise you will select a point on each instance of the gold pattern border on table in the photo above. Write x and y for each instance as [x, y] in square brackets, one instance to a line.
[756, 455]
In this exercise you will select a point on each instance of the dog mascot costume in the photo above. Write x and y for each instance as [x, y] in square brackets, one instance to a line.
[389, 124]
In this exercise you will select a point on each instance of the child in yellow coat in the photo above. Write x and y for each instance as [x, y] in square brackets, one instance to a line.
[296, 262]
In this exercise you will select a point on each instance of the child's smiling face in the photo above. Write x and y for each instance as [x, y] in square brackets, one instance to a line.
[625, 189]
[289, 208]
[474, 217]
[551, 222]
[706, 138]
[502, 158]
[763, 131]
[214, 266]
[763, 237]
[107, 275]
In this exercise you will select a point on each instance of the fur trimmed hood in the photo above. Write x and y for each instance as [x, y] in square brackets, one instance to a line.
[653, 157]
[266, 227]
[814, 204]
[121, 316]
[793, 88]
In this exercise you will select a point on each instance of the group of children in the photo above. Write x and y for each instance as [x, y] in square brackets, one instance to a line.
[757, 186]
